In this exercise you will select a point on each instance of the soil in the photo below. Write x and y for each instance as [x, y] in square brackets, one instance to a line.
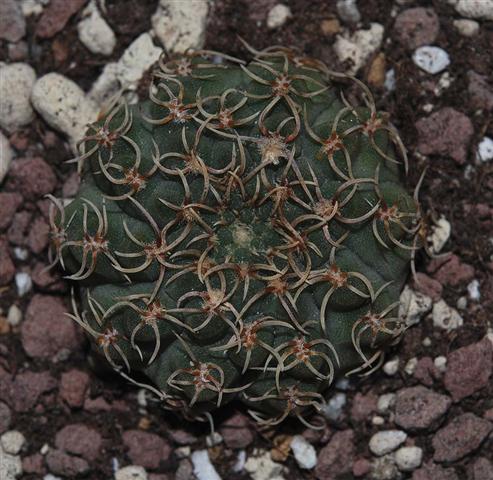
[449, 189]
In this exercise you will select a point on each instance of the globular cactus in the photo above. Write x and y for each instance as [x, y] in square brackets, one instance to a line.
[243, 233]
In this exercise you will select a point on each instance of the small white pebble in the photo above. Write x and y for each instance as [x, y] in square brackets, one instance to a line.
[485, 150]
[427, 107]
[343, 384]
[377, 420]
[408, 459]
[473, 290]
[386, 441]
[426, 342]
[411, 366]
[183, 452]
[51, 477]
[461, 303]
[391, 367]
[132, 472]
[386, 402]
[348, 11]
[440, 363]
[215, 438]
[278, 15]
[304, 452]
[466, 27]
[413, 306]
[6, 155]
[333, 408]
[202, 466]
[23, 282]
[44, 449]
[239, 466]
[431, 59]
[440, 233]
[12, 442]
[445, 317]
[389, 82]
[96, 35]
[21, 253]
[14, 316]
[141, 398]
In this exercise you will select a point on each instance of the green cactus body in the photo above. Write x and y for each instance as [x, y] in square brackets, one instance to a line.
[243, 233]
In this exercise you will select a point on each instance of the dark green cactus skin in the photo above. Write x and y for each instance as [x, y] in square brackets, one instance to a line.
[243, 233]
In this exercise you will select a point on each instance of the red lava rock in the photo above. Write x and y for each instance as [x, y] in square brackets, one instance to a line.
[46, 329]
[73, 387]
[469, 369]
[56, 16]
[48, 280]
[28, 387]
[99, 404]
[361, 467]
[9, 203]
[488, 414]
[432, 471]
[19, 228]
[12, 21]
[453, 272]
[61, 463]
[337, 457]
[18, 52]
[428, 286]
[418, 408]
[480, 91]
[5, 385]
[38, 237]
[146, 449]
[446, 132]
[416, 27]
[363, 406]
[5, 417]
[79, 440]
[426, 372]
[182, 437]
[32, 177]
[461, 436]
[480, 469]
[33, 464]
[7, 267]
[236, 431]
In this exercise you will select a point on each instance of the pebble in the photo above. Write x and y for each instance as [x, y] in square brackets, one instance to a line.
[413, 306]
[145, 448]
[431, 59]
[239, 465]
[23, 282]
[411, 366]
[348, 11]
[377, 420]
[10, 466]
[480, 91]
[386, 441]
[469, 369]
[12, 21]
[445, 317]
[462, 435]
[451, 270]
[485, 150]
[333, 408]
[139, 56]
[336, 459]
[440, 233]
[391, 367]
[261, 466]
[389, 83]
[74, 385]
[473, 290]
[215, 438]
[419, 408]
[132, 472]
[278, 15]
[415, 27]
[386, 402]
[481, 9]
[14, 315]
[79, 440]
[304, 452]
[440, 363]
[236, 432]
[56, 16]
[5, 417]
[428, 286]
[12, 442]
[96, 35]
[180, 25]
[384, 468]
[408, 459]
[358, 47]
[15, 89]
[33, 7]
[6, 155]
[63, 104]
[467, 28]
[202, 466]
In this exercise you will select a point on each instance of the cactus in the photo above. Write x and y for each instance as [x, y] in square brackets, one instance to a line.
[242, 233]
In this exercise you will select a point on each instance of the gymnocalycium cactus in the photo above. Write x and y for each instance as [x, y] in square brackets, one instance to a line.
[243, 233]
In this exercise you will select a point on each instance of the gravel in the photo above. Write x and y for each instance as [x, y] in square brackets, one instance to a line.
[386, 441]
[304, 453]
[278, 16]
[202, 466]
[446, 317]
[408, 459]
[6, 155]
[431, 59]
[96, 35]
